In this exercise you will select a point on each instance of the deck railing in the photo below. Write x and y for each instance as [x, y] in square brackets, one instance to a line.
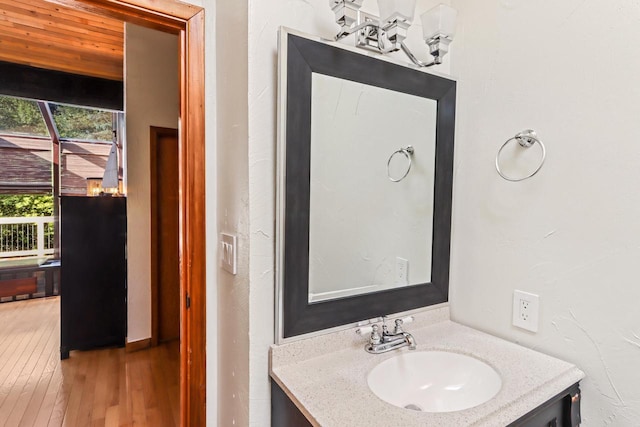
[26, 236]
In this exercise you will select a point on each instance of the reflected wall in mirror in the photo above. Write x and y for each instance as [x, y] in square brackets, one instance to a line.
[355, 129]
[343, 227]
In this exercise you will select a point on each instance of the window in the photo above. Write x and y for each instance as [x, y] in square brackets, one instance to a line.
[27, 150]
[80, 123]
[21, 117]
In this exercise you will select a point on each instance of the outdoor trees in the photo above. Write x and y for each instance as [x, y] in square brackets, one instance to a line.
[19, 115]
[26, 205]
[23, 116]
[83, 123]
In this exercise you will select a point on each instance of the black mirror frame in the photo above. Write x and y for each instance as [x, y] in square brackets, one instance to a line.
[304, 57]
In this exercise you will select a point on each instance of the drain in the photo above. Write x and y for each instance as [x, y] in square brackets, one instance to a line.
[413, 407]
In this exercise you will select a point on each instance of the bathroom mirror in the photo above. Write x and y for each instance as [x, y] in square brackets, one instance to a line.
[357, 131]
[365, 160]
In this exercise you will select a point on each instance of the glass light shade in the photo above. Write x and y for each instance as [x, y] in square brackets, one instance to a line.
[441, 20]
[405, 8]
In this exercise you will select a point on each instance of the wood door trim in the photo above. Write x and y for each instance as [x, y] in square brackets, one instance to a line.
[191, 146]
[188, 22]
[170, 9]
[154, 134]
[134, 346]
[164, 15]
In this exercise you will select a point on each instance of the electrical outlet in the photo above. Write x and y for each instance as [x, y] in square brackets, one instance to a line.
[402, 271]
[526, 309]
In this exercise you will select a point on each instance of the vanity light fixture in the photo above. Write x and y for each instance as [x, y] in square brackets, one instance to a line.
[386, 33]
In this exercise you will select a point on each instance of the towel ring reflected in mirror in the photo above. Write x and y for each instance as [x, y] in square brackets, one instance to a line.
[526, 139]
[408, 153]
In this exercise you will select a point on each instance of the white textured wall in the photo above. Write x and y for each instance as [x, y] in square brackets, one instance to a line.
[571, 234]
[232, 325]
[264, 19]
[151, 99]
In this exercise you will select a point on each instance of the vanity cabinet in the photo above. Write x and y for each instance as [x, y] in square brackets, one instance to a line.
[284, 413]
[563, 410]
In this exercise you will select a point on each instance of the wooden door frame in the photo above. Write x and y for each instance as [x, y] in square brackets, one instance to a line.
[188, 22]
[155, 133]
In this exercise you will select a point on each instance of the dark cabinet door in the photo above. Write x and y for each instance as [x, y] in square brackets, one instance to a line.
[93, 292]
[284, 413]
[563, 410]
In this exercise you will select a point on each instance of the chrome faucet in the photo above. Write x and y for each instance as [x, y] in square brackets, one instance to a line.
[381, 343]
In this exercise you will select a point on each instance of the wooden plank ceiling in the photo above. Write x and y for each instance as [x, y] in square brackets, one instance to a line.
[47, 35]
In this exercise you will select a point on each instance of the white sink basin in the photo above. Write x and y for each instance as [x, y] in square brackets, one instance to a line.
[434, 381]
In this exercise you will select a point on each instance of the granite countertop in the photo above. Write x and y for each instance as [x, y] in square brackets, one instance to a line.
[326, 376]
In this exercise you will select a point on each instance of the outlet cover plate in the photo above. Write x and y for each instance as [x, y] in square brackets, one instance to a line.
[526, 310]
[402, 271]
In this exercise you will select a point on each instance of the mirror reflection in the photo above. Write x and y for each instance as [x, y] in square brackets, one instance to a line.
[366, 232]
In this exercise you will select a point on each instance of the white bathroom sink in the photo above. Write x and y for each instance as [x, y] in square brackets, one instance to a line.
[434, 381]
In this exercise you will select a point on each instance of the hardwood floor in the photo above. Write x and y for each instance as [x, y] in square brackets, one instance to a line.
[92, 388]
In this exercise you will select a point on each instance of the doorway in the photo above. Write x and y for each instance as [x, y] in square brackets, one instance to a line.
[188, 22]
[165, 271]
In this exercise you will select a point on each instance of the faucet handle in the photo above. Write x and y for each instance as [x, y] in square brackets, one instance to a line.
[385, 329]
[398, 328]
[375, 335]
[400, 322]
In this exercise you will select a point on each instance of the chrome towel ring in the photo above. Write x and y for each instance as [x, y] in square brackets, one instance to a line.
[526, 139]
[408, 153]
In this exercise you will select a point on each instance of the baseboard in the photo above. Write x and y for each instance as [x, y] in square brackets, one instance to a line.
[130, 347]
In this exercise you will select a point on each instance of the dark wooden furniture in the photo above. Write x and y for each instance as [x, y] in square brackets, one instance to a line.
[34, 280]
[562, 410]
[14, 287]
[51, 271]
[93, 306]
[284, 413]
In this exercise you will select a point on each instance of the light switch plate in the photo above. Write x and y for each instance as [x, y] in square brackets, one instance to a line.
[228, 249]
